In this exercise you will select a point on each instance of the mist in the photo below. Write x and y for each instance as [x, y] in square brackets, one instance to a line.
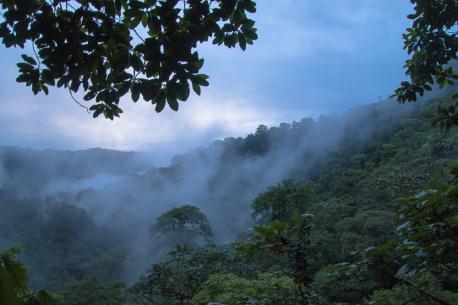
[124, 192]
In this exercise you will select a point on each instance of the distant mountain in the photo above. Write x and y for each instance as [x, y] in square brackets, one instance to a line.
[40, 172]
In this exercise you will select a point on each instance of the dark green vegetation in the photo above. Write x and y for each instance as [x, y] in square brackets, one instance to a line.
[14, 288]
[185, 225]
[372, 220]
[432, 43]
[109, 48]
[62, 242]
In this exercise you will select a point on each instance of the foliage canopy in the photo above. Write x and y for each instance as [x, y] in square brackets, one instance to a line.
[383, 230]
[183, 225]
[14, 288]
[109, 48]
[432, 43]
[281, 202]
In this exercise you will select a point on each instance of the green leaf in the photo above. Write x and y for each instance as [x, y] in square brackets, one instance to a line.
[29, 59]
[136, 62]
[25, 67]
[251, 34]
[250, 6]
[98, 111]
[201, 79]
[90, 95]
[135, 91]
[182, 91]
[144, 20]
[160, 101]
[22, 78]
[242, 41]
[196, 88]
[172, 100]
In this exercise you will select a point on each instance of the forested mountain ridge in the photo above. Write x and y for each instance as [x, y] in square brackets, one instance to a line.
[359, 208]
[348, 170]
[38, 172]
[355, 191]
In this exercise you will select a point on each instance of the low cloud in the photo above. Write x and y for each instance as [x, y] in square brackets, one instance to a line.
[59, 122]
[312, 57]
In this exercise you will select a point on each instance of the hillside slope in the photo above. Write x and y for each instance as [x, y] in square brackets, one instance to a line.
[356, 164]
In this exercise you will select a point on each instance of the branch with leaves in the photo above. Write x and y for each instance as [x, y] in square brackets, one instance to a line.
[432, 43]
[95, 46]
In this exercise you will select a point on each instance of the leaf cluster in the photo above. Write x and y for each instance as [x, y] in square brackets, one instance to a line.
[109, 48]
[14, 288]
[432, 43]
[187, 223]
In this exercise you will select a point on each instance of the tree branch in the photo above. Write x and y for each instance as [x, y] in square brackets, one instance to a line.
[76, 101]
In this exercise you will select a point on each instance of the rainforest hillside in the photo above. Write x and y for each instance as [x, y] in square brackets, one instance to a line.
[312, 212]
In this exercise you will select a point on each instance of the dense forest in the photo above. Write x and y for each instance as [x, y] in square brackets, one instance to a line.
[356, 208]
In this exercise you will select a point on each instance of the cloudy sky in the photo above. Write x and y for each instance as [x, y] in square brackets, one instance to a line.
[312, 57]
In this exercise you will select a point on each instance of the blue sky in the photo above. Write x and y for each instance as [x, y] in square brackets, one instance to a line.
[313, 57]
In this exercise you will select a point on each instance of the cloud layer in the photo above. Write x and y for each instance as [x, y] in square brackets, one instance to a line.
[312, 57]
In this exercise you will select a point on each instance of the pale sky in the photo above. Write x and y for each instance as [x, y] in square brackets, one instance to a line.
[313, 57]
